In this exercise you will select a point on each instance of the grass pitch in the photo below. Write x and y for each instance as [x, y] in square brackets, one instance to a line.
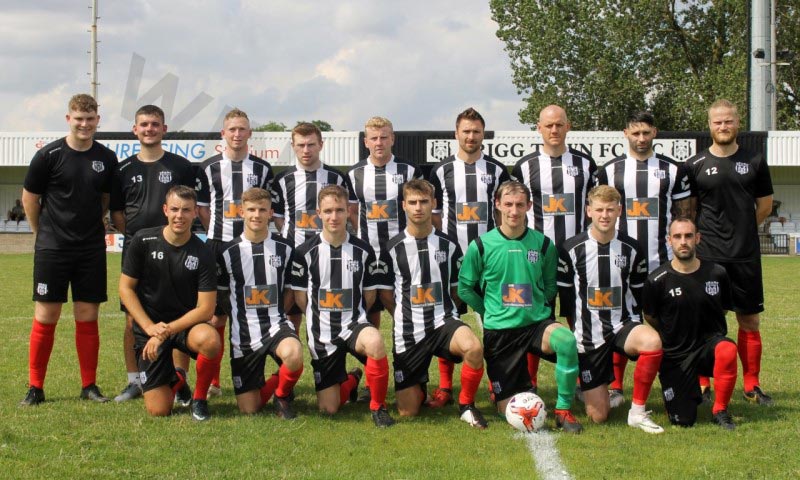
[67, 438]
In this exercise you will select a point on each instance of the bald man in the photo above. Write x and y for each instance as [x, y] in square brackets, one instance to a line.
[559, 179]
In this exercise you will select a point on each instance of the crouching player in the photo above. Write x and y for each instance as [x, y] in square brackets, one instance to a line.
[421, 266]
[333, 278]
[685, 300]
[168, 285]
[516, 268]
[254, 266]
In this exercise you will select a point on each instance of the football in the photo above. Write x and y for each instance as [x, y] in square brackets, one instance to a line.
[525, 412]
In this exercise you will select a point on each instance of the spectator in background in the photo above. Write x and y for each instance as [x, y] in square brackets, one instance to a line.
[17, 213]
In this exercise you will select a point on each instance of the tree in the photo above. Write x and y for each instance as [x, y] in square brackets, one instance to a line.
[788, 82]
[603, 59]
[271, 126]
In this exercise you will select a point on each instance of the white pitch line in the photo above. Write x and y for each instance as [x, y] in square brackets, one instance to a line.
[545, 456]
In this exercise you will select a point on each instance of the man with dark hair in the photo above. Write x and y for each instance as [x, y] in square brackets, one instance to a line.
[140, 185]
[732, 195]
[420, 287]
[295, 191]
[652, 186]
[516, 269]
[334, 282]
[168, 285]
[558, 178]
[465, 186]
[685, 299]
[255, 270]
[224, 178]
[66, 195]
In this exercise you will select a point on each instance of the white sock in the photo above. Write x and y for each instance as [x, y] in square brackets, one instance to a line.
[133, 377]
[638, 409]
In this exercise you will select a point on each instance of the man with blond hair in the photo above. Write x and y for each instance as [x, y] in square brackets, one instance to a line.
[731, 196]
[66, 196]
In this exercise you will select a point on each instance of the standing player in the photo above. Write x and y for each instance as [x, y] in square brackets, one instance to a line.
[686, 299]
[223, 179]
[732, 195]
[515, 267]
[375, 197]
[140, 185]
[421, 281]
[603, 272]
[66, 195]
[334, 279]
[465, 185]
[255, 267]
[652, 186]
[168, 285]
[558, 178]
[295, 192]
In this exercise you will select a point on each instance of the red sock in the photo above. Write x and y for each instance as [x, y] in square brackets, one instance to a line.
[218, 365]
[269, 388]
[87, 342]
[644, 374]
[533, 369]
[724, 374]
[180, 383]
[41, 344]
[378, 373]
[470, 381]
[750, 354]
[446, 368]
[286, 380]
[620, 362]
[704, 381]
[345, 388]
[204, 367]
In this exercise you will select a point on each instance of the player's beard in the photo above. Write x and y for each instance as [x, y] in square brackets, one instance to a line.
[721, 138]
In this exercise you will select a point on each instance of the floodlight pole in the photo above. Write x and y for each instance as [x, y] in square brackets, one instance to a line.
[93, 51]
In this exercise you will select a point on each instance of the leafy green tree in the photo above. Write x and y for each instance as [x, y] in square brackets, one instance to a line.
[271, 126]
[788, 84]
[606, 58]
[321, 124]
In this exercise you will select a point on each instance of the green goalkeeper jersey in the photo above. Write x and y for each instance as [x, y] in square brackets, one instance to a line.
[511, 282]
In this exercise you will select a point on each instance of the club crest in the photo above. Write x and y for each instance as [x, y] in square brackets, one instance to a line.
[275, 261]
[660, 174]
[41, 289]
[165, 177]
[712, 287]
[533, 256]
[398, 178]
[440, 256]
[192, 262]
[353, 266]
[98, 166]
[572, 170]
[440, 149]
[742, 168]
[487, 179]
[620, 261]
[252, 180]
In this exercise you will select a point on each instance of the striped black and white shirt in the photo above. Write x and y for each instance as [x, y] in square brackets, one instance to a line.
[602, 283]
[378, 191]
[294, 198]
[334, 279]
[648, 189]
[222, 182]
[255, 274]
[421, 271]
[465, 196]
[558, 189]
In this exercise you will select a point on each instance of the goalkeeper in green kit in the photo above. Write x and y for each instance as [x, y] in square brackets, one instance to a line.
[515, 269]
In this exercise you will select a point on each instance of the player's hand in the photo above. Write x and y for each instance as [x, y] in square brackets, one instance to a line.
[150, 351]
[159, 329]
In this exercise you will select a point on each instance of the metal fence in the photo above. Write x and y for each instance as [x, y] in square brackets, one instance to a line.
[774, 243]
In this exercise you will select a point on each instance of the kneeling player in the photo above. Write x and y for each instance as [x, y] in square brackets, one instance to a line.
[516, 268]
[168, 285]
[333, 276]
[601, 273]
[685, 300]
[255, 267]
[421, 266]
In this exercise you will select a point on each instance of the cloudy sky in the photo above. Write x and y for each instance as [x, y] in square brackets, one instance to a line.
[417, 62]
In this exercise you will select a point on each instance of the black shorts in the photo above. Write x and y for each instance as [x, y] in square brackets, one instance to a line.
[161, 371]
[54, 271]
[747, 286]
[597, 366]
[678, 377]
[506, 352]
[247, 372]
[125, 242]
[223, 306]
[411, 366]
[332, 370]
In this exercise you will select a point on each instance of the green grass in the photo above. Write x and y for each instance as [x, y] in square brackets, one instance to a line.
[67, 438]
